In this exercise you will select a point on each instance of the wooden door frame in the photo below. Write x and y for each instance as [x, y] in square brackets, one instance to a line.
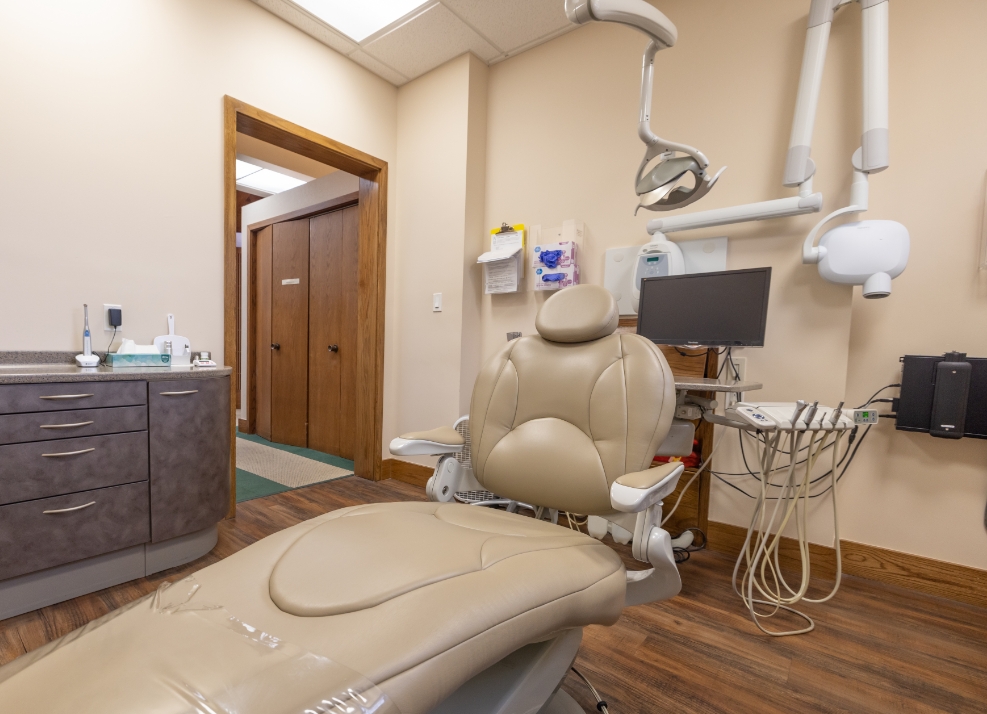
[372, 172]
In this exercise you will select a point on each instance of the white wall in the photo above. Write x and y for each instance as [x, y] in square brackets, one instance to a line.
[308, 198]
[562, 143]
[111, 187]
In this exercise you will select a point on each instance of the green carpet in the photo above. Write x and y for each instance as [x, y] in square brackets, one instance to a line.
[250, 486]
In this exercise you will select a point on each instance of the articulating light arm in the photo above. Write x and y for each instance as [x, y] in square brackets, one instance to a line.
[659, 189]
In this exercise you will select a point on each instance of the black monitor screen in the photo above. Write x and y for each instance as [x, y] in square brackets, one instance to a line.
[727, 308]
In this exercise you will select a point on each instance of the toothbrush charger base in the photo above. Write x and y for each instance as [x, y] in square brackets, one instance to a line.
[87, 360]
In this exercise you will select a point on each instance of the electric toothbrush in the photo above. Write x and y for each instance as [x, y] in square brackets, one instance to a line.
[87, 358]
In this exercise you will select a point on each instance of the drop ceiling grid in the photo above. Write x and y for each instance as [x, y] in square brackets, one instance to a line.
[438, 31]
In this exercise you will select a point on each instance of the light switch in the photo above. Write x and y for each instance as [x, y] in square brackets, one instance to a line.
[436, 302]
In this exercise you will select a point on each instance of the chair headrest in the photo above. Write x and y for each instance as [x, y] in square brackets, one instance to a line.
[580, 313]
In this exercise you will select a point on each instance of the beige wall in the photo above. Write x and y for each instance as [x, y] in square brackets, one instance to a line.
[439, 209]
[112, 141]
[562, 144]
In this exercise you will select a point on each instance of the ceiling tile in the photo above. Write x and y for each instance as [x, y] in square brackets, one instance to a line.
[378, 68]
[430, 39]
[510, 24]
[294, 15]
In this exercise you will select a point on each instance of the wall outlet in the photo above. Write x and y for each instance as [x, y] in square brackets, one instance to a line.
[106, 317]
[436, 302]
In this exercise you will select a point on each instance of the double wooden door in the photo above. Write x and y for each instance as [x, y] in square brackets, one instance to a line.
[305, 346]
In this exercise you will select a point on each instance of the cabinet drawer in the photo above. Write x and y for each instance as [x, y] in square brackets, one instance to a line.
[49, 468]
[42, 534]
[46, 426]
[18, 398]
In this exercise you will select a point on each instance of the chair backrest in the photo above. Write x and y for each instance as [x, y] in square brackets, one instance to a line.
[557, 417]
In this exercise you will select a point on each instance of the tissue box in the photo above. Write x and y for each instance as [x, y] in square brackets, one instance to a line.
[566, 259]
[138, 360]
[545, 278]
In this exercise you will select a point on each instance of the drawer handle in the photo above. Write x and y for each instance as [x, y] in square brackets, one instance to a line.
[65, 426]
[69, 510]
[178, 394]
[72, 453]
[67, 396]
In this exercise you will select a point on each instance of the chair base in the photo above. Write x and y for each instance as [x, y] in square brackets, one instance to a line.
[525, 682]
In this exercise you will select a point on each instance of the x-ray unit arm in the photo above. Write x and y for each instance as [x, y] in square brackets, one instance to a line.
[872, 156]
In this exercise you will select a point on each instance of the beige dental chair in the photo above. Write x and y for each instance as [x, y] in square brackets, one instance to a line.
[416, 607]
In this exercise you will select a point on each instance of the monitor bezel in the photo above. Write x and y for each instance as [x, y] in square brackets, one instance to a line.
[687, 276]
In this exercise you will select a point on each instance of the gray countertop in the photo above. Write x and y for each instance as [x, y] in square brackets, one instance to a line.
[39, 367]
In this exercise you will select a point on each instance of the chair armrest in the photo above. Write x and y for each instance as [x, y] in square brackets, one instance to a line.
[638, 491]
[444, 440]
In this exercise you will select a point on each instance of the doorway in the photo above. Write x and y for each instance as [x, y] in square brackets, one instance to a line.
[304, 289]
[368, 216]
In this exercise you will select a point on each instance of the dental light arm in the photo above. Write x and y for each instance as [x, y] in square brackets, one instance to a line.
[633, 13]
[659, 189]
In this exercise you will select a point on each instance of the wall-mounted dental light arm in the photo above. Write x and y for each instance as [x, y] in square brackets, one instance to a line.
[658, 189]
[634, 13]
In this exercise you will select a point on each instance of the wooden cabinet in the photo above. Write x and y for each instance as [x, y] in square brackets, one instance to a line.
[102, 482]
[189, 447]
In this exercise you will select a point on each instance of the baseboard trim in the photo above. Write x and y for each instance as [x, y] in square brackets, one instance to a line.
[915, 572]
[415, 474]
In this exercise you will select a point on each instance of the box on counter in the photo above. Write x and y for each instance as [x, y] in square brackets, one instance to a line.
[561, 254]
[548, 279]
[138, 360]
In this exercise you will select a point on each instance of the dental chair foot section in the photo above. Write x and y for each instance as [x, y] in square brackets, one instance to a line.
[421, 606]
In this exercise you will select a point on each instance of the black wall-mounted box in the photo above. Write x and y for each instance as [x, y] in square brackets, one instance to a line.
[918, 395]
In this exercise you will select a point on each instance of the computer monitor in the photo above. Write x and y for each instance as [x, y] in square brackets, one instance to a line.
[722, 309]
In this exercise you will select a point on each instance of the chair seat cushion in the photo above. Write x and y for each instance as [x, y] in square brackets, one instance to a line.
[416, 597]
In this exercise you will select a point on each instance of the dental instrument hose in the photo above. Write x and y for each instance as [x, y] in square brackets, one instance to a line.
[761, 550]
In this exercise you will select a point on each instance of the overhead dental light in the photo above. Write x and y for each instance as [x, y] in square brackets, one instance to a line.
[666, 186]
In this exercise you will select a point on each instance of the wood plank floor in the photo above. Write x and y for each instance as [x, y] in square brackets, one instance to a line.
[876, 648]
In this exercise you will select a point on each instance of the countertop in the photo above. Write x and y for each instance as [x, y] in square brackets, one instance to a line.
[38, 367]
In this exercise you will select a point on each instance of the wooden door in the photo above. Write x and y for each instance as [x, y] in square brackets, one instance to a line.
[333, 324]
[289, 333]
[263, 248]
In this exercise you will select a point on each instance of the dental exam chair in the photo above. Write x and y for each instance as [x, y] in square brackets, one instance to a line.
[416, 607]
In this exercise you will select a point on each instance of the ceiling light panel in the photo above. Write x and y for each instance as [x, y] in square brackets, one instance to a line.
[269, 181]
[358, 19]
[244, 169]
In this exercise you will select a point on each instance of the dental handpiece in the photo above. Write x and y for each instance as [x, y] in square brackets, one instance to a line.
[799, 408]
[810, 413]
[835, 416]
